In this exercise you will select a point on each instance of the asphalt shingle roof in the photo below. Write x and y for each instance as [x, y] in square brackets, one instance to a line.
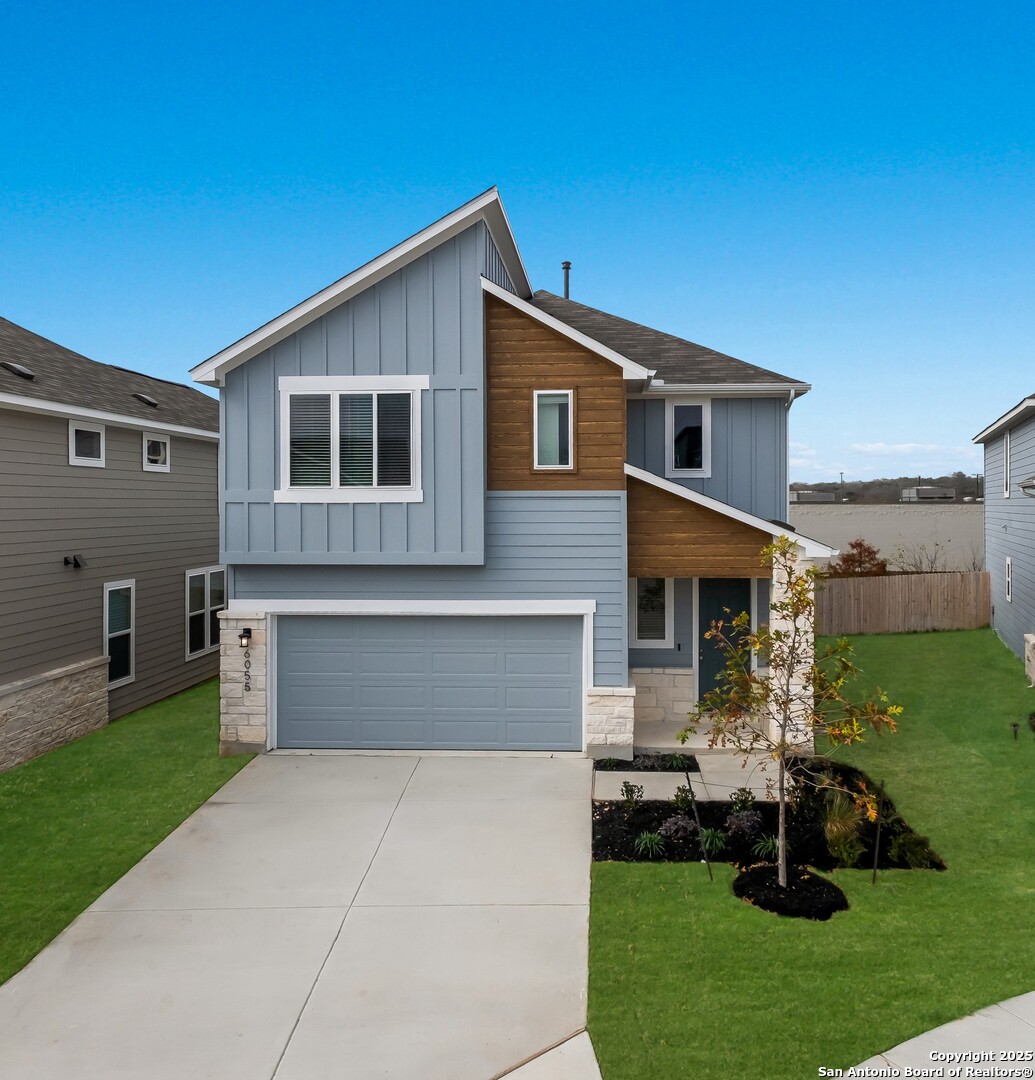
[674, 359]
[68, 378]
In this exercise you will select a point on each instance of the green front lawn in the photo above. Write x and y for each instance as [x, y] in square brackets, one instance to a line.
[687, 981]
[73, 821]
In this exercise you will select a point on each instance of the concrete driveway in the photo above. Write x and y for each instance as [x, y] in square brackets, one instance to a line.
[333, 916]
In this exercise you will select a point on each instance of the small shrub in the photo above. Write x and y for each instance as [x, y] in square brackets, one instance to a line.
[742, 799]
[649, 844]
[842, 820]
[632, 795]
[766, 847]
[683, 801]
[712, 841]
[609, 764]
[744, 823]
[678, 827]
[914, 850]
[677, 762]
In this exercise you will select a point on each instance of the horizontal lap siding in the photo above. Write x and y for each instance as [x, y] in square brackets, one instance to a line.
[670, 537]
[545, 546]
[524, 356]
[127, 523]
[1010, 531]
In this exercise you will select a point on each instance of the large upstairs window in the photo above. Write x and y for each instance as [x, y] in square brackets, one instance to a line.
[350, 439]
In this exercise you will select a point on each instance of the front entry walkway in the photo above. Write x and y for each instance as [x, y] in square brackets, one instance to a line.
[327, 917]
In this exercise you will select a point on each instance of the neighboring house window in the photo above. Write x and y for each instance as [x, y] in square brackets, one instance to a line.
[1006, 465]
[553, 429]
[1009, 579]
[650, 602]
[119, 631]
[206, 597]
[350, 439]
[688, 437]
[85, 444]
[156, 452]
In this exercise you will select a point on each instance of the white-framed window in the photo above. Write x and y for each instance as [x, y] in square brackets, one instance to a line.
[552, 423]
[1009, 579]
[157, 452]
[1006, 465]
[120, 631]
[205, 598]
[688, 437]
[350, 438]
[651, 611]
[85, 444]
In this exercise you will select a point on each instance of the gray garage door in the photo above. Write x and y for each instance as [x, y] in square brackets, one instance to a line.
[442, 682]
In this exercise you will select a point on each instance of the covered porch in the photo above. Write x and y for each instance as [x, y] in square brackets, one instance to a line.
[691, 558]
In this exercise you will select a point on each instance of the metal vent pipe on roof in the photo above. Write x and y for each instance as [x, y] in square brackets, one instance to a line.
[566, 267]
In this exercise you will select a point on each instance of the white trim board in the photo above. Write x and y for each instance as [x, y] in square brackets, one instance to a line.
[75, 412]
[630, 369]
[487, 207]
[812, 549]
[1021, 411]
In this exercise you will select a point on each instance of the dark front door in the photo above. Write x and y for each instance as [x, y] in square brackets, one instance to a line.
[714, 596]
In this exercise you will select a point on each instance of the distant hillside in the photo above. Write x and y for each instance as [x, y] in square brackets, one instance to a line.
[889, 490]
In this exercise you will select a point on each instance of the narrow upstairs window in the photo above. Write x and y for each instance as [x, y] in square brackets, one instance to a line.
[553, 429]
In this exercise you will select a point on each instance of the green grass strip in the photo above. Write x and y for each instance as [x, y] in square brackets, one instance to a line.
[73, 821]
[687, 981]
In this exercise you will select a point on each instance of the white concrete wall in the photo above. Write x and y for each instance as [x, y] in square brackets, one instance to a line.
[955, 530]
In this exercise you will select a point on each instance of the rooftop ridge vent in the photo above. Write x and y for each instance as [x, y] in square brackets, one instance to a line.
[147, 400]
[18, 369]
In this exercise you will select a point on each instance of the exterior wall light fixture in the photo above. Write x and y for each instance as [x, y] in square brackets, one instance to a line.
[245, 637]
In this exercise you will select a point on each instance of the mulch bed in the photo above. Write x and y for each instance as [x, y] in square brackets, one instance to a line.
[806, 896]
[617, 827]
[672, 762]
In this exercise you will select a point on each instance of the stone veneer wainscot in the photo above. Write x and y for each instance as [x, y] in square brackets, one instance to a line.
[665, 694]
[43, 712]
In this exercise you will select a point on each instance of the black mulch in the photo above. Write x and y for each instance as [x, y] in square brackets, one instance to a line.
[807, 896]
[676, 761]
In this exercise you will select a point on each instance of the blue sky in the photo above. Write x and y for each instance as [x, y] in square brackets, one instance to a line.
[844, 193]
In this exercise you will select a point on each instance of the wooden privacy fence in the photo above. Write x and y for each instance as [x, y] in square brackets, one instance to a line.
[898, 603]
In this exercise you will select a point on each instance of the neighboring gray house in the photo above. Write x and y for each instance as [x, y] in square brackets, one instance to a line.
[460, 514]
[108, 542]
[1010, 525]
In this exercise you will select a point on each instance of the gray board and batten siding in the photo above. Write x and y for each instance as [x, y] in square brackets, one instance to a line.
[148, 526]
[748, 462]
[538, 546]
[1010, 533]
[429, 682]
[424, 319]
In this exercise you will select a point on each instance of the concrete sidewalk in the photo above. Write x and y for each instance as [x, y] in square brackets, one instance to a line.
[986, 1039]
[333, 916]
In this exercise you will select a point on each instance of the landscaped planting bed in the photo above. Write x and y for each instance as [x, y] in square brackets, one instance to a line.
[674, 762]
[824, 829]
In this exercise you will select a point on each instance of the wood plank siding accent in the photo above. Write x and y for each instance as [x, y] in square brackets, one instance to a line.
[672, 538]
[524, 356]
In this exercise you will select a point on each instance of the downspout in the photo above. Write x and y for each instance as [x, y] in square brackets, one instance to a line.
[787, 453]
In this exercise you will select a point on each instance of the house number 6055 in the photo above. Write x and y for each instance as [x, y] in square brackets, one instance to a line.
[247, 669]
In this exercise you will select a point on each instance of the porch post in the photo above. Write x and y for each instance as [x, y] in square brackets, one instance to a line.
[794, 689]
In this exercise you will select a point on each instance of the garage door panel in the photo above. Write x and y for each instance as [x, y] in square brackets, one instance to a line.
[465, 663]
[429, 682]
[539, 663]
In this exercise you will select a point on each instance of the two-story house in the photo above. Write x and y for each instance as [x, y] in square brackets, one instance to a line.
[109, 583]
[460, 514]
[1009, 445]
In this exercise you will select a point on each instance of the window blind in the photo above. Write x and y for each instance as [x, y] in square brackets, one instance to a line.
[310, 439]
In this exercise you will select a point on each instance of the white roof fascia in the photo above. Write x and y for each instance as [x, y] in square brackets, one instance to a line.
[487, 207]
[659, 388]
[75, 412]
[630, 369]
[1019, 412]
[812, 549]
